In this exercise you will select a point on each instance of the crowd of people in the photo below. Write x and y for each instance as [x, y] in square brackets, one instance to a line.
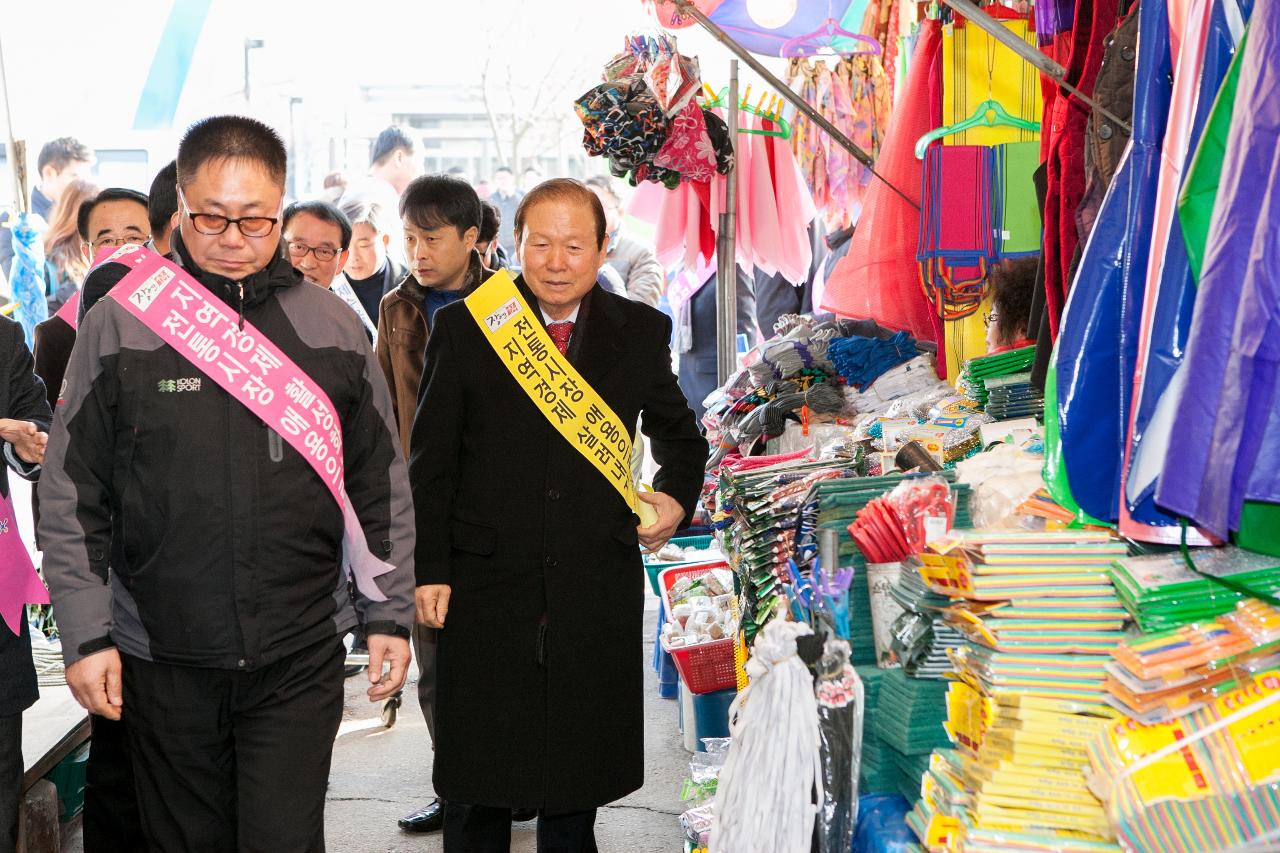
[207, 592]
[384, 476]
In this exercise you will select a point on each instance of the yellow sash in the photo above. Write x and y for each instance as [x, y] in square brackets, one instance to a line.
[553, 385]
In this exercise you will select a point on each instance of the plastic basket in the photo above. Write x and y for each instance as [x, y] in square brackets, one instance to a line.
[654, 567]
[706, 667]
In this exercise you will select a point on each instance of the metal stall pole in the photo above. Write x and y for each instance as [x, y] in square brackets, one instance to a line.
[726, 251]
[687, 8]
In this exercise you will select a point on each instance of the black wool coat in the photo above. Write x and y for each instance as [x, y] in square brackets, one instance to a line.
[540, 670]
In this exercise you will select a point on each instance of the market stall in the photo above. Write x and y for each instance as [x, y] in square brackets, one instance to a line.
[994, 561]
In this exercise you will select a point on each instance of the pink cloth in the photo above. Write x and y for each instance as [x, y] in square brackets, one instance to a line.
[688, 149]
[19, 583]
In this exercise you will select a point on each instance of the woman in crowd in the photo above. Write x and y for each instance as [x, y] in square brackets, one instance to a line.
[65, 262]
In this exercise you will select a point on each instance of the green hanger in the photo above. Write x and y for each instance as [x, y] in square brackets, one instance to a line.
[989, 114]
[783, 126]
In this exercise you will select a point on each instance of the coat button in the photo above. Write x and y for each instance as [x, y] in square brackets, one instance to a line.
[240, 663]
[1127, 54]
[549, 562]
[553, 495]
[1105, 132]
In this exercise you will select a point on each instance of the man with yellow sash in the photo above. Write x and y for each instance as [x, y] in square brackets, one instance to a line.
[528, 555]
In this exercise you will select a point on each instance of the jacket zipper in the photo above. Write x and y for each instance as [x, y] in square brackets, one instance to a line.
[241, 286]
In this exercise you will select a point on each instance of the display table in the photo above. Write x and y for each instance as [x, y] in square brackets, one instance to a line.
[51, 729]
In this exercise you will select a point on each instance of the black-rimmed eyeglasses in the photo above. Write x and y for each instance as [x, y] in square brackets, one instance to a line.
[322, 253]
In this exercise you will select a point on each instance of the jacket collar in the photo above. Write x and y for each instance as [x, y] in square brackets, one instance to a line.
[258, 287]
[597, 335]
[411, 290]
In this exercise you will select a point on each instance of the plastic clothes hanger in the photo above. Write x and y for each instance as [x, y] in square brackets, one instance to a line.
[990, 113]
[821, 41]
[772, 113]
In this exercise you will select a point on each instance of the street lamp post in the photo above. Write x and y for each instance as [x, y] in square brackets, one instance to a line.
[249, 44]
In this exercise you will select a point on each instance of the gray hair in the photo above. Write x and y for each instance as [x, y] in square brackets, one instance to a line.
[366, 211]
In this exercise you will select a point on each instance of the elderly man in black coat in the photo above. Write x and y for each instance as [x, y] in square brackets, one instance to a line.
[528, 558]
[24, 431]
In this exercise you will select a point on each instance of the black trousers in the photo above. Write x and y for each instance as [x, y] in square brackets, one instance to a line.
[11, 771]
[227, 760]
[485, 829]
[111, 823]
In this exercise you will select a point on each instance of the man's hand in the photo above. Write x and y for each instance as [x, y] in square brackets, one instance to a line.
[95, 683]
[670, 514]
[384, 648]
[433, 604]
[27, 439]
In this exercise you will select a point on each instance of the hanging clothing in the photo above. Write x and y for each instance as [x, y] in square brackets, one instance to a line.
[1105, 141]
[1095, 19]
[1228, 446]
[879, 277]
[1209, 38]
[1093, 348]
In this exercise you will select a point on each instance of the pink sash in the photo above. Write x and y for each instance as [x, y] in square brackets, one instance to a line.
[19, 583]
[256, 373]
[70, 310]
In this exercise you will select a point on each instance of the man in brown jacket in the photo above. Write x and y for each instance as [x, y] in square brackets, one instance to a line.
[441, 217]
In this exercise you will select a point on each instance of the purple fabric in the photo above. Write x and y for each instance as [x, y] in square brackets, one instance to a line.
[1228, 446]
[1054, 17]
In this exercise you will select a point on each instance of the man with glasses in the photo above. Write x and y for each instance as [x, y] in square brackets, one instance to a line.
[195, 556]
[114, 217]
[316, 237]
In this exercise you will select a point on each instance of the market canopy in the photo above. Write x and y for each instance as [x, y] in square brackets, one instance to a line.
[764, 26]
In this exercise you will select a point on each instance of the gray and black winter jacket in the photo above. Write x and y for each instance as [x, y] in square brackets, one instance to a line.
[178, 527]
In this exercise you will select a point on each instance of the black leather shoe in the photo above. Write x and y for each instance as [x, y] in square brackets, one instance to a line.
[429, 818]
[522, 815]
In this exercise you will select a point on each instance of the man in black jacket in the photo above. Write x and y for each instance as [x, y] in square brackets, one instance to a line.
[24, 425]
[528, 558]
[194, 556]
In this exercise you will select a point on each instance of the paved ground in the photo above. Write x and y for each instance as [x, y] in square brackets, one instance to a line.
[379, 775]
[382, 774]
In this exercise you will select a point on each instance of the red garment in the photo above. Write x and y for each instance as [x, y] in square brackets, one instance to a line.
[1095, 19]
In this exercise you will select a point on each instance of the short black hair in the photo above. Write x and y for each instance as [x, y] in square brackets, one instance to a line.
[490, 221]
[109, 194]
[1013, 282]
[61, 152]
[325, 212]
[231, 138]
[162, 201]
[562, 189]
[434, 201]
[392, 139]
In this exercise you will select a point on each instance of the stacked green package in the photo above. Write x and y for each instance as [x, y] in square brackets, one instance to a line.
[911, 770]
[877, 773]
[1161, 591]
[913, 710]
[976, 371]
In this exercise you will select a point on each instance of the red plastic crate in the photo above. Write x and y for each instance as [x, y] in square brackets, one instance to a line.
[706, 667]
